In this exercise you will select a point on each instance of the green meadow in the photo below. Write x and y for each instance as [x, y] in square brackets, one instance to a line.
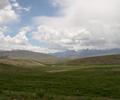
[60, 82]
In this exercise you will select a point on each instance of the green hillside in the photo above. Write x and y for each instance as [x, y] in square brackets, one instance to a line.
[89, 81]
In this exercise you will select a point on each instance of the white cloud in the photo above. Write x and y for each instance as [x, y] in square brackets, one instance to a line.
[10, 11]
[19, 41]
[7, 13]
[3, 3]
[81, 24]
[20, 38]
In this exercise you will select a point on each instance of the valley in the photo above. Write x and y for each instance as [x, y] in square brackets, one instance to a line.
[69, 80]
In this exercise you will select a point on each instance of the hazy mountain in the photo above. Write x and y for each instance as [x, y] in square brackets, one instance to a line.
[23, 54]
[86, 53]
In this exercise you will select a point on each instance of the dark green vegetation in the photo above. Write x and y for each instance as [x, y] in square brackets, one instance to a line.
[68, 81]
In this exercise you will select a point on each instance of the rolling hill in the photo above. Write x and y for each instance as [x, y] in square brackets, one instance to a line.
[109, 59]
[86, 53]
[21, 62]
[28, 55]
[93, 78]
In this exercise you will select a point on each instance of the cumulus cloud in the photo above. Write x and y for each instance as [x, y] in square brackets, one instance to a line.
[81, 24]
[20, 38]
[7, 15]
[19, 41]
[9, 11]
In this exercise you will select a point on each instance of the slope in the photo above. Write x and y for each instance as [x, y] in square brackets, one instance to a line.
[109, 59]
[29, 55]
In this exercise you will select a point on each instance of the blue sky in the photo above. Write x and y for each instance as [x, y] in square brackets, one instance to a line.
[37, 8]
[58, 25]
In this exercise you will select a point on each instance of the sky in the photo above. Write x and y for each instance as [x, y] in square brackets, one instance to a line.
[57, 25]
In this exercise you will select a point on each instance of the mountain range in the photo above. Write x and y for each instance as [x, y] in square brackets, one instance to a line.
[86, 53]
[52, 58]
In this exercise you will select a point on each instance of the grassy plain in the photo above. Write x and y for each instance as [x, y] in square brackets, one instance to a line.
[60, 82]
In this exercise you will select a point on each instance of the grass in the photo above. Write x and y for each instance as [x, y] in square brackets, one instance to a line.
[60, 82]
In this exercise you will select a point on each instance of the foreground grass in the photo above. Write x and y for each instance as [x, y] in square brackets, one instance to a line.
[59, 82]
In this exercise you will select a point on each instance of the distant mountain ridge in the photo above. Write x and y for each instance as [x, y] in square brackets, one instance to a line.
[86, 53]
[55, 57]
[23, 54]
